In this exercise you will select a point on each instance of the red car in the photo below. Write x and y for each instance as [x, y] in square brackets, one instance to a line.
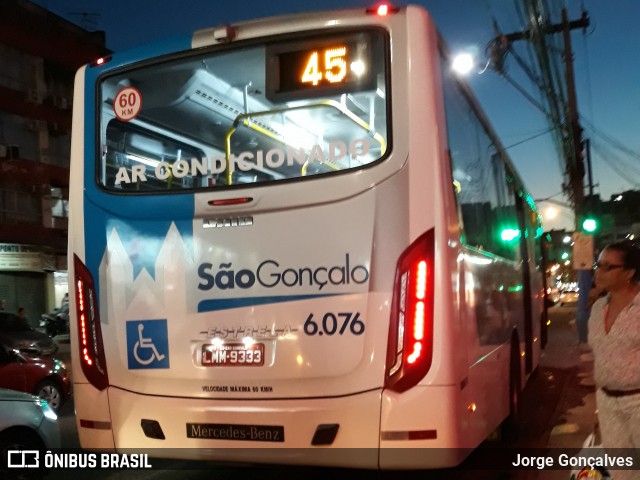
[44, 377]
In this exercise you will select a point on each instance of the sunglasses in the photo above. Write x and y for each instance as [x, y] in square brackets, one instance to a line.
[607, 267]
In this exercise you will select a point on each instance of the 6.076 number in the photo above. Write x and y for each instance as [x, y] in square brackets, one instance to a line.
[334, 324]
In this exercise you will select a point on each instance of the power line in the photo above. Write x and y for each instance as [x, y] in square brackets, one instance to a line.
[612, 141]
[605, 156]
[622, 161]
[549, 130]
[560, 104]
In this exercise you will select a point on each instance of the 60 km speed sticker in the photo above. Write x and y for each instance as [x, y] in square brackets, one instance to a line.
[127, 104]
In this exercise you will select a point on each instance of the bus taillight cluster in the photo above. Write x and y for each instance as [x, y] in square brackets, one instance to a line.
[82, 323]
[410, 344]
[90, 344]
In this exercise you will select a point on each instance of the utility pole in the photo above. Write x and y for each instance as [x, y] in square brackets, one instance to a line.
[563, 117]
[587, 151]
[571, 136]
[575, 167]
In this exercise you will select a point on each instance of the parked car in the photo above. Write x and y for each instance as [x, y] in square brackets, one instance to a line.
[42, 376]
[553, 295]
[568, 296]
[26, 423]
[15, 332]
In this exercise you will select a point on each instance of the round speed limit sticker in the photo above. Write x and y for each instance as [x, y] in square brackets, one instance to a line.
[127, 104]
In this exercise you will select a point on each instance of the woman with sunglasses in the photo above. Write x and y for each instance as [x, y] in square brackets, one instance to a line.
[614, 336]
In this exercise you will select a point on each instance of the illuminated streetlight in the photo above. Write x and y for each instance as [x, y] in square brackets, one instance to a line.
[551, 213]
[556, 214]
[463, 63]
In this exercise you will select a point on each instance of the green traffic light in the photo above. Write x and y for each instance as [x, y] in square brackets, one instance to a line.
[509, 234]
[564, 255]
[589, 225]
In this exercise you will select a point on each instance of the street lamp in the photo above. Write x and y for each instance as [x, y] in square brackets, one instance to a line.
[551, 212]
[463, 63]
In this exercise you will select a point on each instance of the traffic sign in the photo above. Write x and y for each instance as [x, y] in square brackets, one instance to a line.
[583, 251]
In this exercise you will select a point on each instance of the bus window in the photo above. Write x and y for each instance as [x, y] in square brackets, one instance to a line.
[281, 111]
[483, 187]
[133, 153]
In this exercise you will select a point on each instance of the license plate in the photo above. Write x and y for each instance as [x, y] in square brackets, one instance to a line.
[233, 355]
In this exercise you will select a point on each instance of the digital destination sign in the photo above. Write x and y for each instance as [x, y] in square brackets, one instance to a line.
[322, 66]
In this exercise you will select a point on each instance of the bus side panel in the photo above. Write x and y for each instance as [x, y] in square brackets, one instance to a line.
[439, 405]
[537, 285]
[76, 236]
[471, 348]
[427, 208]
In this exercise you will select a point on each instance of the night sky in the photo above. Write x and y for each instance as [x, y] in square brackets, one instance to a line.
[607, 77]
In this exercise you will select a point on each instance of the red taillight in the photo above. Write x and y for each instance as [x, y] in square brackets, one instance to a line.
[410, 347]
[100, 61]
[90, 346]
[382, 10]
[230, 201]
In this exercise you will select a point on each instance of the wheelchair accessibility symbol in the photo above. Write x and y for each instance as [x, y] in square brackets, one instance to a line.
[147, 344]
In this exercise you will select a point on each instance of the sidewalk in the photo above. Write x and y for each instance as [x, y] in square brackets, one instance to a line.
[577, 408]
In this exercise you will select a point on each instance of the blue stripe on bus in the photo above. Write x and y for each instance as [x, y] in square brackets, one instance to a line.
[229, 303]
[136, 218]
[142, 238]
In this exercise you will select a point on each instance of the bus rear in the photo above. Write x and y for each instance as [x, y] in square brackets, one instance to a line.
[253, 236]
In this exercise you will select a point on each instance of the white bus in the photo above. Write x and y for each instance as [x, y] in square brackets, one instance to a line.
[297, 240]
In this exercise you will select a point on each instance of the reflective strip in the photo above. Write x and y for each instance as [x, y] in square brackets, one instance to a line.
[95, 424]
[410, 435]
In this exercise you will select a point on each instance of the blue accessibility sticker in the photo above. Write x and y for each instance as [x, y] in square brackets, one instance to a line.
[147, 344]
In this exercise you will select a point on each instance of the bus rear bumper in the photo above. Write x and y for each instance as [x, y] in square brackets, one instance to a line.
[374, 428]
[421, 428]
[254, 431]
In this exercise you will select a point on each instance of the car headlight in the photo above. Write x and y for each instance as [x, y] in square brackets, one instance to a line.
[47, 411]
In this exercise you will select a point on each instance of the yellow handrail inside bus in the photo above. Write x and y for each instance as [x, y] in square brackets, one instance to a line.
[245, 119]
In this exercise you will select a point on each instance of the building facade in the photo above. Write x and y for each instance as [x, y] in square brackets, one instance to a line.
[619, 218]
[39, 55]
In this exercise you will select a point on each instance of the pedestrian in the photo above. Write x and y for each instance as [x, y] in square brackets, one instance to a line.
[614, 336]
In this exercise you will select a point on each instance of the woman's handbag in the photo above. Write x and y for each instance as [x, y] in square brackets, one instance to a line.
[592, 447]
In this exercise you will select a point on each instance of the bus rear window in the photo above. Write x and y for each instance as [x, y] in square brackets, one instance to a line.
[277, 111]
